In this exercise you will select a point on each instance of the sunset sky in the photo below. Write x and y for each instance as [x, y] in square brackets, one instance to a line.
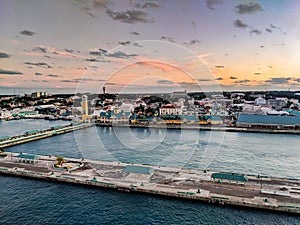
[150, 45]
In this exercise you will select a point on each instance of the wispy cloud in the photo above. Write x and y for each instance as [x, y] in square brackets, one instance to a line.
[130, 16]
[98, 52]
[120, 55]
[4, 55]
[65, 54]
[10, 72]
[277, 28]
[124, 42]
[187, 83]
[233, 78]
[278, 80]
[165, 82]
[268, 30]
[147, 5]
[92, 60]
[274, 27]
[40, 81]
[38, 74]
[69, 50]
[70, 81]
[242, 81]
[27, 33]
[39, 49]
[89, 7]
[101, 4]
[134, 33]
[193, 42]
[248, 8]
[54, 75]
[211, 4]
[104, 53]
[40, 64]
[62, 53]
[239, 24]
[165, 38]
[204, 80]
[255, 31]
[137, 44]
[77, 80]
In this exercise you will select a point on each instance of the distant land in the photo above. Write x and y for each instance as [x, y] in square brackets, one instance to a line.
[28, 90]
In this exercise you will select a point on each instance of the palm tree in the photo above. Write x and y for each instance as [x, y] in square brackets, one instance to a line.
[60, 160]
[2, 153]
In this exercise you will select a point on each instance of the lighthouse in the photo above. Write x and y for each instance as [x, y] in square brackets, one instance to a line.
[84, 104]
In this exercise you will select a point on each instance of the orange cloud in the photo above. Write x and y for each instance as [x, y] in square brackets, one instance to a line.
[152, 71]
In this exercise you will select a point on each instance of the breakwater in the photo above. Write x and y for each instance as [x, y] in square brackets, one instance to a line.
[277, 194]
[34, 135]
[205, 128]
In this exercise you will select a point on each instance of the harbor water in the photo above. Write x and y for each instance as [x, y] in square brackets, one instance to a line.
[25, 201]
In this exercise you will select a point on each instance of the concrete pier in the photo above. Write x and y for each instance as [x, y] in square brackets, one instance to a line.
[37, 135]
[276, 194]
[205, 128]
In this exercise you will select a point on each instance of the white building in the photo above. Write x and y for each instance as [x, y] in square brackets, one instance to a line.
[260, 101]
[84, 104]
[170, 109]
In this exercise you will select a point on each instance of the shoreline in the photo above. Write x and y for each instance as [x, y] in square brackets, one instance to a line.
[41, 134]
[206, 128]
[270, 193]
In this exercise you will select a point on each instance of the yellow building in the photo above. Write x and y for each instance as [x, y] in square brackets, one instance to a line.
[85, 108]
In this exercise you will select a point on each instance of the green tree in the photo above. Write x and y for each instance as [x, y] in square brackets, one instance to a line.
[60, 160]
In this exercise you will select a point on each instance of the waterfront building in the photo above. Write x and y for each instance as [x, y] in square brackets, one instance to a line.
[121, 117]
[39, 94]
[260, 101]
[35, 94]
[268, 122]
[277, 103]
[109, 117]
[210, 120]
[229, 177]
[190, 119]
[170, 109]
[170, 120]
[27, 158]
[84, 104]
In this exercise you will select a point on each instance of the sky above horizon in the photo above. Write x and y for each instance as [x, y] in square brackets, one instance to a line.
[140, 45]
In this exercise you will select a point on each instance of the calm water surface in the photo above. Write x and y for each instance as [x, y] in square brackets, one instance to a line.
[25, 201]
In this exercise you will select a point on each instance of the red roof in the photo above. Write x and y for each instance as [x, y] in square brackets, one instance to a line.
[169, 106]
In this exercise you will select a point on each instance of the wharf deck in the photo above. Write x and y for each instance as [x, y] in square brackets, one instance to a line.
[220, 128]
[21, 139]
[277, 194]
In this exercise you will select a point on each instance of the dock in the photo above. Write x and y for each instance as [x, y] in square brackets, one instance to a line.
[203, 128]
[41, 134]
[260, 192]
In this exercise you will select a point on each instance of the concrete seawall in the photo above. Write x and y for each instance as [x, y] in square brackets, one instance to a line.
[208, 128]
[276, 194]
[41, 135]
